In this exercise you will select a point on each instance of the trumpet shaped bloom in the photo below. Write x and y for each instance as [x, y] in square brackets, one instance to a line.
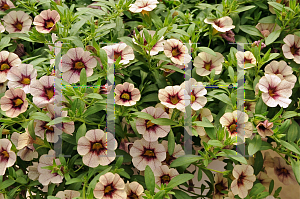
[7, 157]
[17, 22]
[45, 22]
[7, 61]
[291, 48]
[177, 52]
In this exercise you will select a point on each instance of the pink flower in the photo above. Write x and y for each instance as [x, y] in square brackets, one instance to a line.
[42, 91]
[143, 6]
[46, 21]
[5, 5]
[74, 61]
[205, 63]
[222, 25]
[159, 46]
[47, 175]
[17, 22]
[14, 102]
[244, 179]
[21, 76]
[256, 43]
[163, 175]
[7, 157]
[151, 132]
[147, 153]
[67, 194]
[265, 128]
[275, 91]
[291, 48]
[126, 94]
[97, 148]
[119, 50]
[7, 61]
[177, 52]
[174, 97]
[196, 91]
[110, 186]
[229, 36]
[134, 190]
[284, 172]
[267, 28]
[282, 70]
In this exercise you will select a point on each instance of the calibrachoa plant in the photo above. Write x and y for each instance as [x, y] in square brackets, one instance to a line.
[131, 98]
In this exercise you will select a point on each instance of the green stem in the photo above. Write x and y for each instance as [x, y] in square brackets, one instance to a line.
[37, 108]
[79, 168]
[191, 192]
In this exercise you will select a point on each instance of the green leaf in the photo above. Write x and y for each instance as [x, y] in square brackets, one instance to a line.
[153, 97]
[203, 124]
[183, 160]
[207, 50]
[244, 8]
[181, 194]
[74, 180]
[258, 162]
[289, 114]
[163, 121]
[171, 142]
[231, 73]
[296, 169]
[103, 57]
[75, 28]
[260, 106]
[94, 96]
[172, 67]
[160, 194]
[254, 145]
[272, 37]
[276, 5]
[182, 32]
[83, 77]
[143, 115]
[60, 120]
[40, 116]
[268, 19]
[284, 126]
[31, 129]
[199, 175]
[222, 97]
[277, 115]
[271, 186]
[119, 162]
[181, 178]
[251, 30]
[293, 131]
[216, 143]
[256, 189]
[232, 155]
[150, 179]
[289, 146]
[6, 183]
[80, 132]
[208, 173]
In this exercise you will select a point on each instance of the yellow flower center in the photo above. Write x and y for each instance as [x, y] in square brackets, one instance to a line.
[219, 187]
[49, 24]
[5, 6]
[97, 146]
[149, 124]
[247, 61]
[207, 65]
[18, 102]
[175, 52]
[108, 189]
[49, 128]
[149, 153]
[25, 80]
[232, 127]
[133, 196]
[18, 26]
[79, 65]
[283, 170]
[4, 66]
[174, 99]
[144, 12]
[125, 96]
[165, 179]
[271, 92]
[193, 98]
[117, 55]
[49, 92]
[5, 154]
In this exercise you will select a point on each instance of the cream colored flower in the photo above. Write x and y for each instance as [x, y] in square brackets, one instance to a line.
[268, 160]
[7, 61]
[244, 58]
[17, 22]
[134, 190]
[283, 171]
[159, 46]
[177, 52]
[7, 157]
[265, 128]
[291, 48]
[264, 179]
[24, 143]
[220, 185]
[110, 186]
[5, 5]
[222, 24]
[33, 173]
[205, 63]
[119, 50]
[244, 179]
[45, 22]
[204, 112]
[126, 94]
[67, 194]
[163, 174]
[147, 153]
[275, 91]
[267, 28]
[178, 151]
[143, 6]
[282, 70]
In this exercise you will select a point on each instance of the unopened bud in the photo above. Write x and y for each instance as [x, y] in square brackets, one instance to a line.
[174, 14]
[91, 48]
